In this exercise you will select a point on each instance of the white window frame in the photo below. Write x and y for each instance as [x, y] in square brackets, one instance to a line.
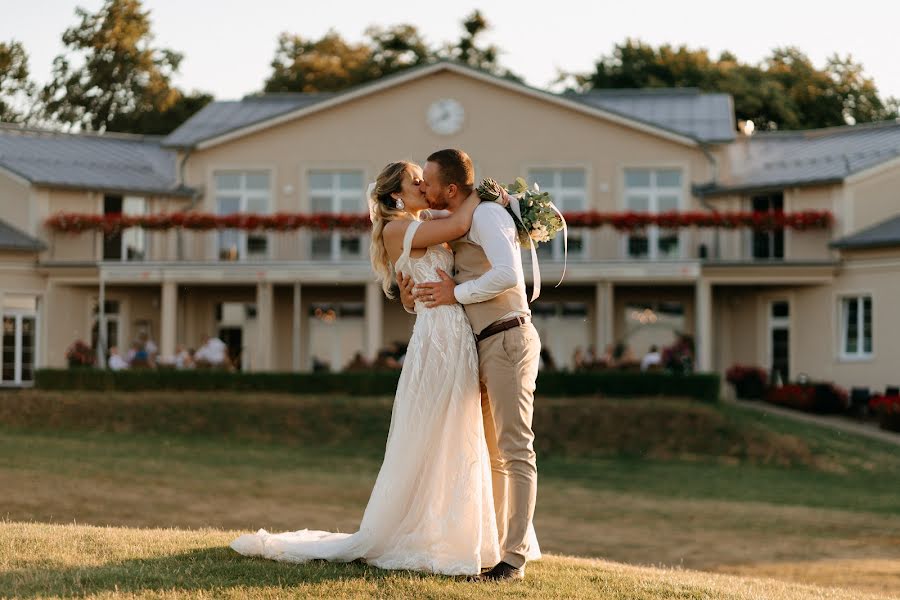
[338, 195]
[860, 354]
[135, 232]
[778, 323]
[18, 314]
[557, 191]
[244, 196]
[653, 193]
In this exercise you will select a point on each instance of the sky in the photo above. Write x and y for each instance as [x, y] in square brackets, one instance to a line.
[228, 44]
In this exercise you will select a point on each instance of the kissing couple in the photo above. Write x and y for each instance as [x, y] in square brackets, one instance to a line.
[456, 491]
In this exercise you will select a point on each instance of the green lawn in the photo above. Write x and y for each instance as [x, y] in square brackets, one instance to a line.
[52, 561]
[829, 515]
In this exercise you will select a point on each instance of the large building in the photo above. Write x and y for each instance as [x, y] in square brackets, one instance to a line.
[818, 301]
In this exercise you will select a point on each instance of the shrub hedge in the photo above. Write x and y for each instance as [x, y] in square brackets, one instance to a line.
[702, 386]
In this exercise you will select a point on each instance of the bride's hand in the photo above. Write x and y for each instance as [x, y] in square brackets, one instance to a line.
[405, 283]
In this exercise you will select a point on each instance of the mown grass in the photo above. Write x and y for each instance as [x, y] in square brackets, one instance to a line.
[657, 500]
[50, 561]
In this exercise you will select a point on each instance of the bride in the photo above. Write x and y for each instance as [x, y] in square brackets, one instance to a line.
[431, 508]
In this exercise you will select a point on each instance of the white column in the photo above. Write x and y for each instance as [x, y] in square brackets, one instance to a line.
[603, 322]
[169, 319]
[264, 319]
[296, 330]
[703, 325]
[374, 319]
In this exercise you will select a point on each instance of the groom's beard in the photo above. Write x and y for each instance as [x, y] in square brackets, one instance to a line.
[438, 204]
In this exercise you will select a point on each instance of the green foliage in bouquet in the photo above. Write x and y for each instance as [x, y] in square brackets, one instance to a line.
[540, 222]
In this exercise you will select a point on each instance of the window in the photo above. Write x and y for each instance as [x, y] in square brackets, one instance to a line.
[111, 312]
[18, 342]
[856, 327]
[567, 188]
[336, 192]
[780, 338]
[653, 191]
[768, 245]
[129, 244]
[242, 192]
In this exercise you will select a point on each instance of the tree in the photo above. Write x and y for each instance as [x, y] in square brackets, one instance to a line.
[331, 63]
[468, 51]
[17, 91]
[785, 91]
[325, 65]
[121, 81]
[396, 48]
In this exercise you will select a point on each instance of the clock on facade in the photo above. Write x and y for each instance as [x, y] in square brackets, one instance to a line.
[445, 116]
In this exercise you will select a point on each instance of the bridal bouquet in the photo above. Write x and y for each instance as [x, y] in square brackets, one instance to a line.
[537, 219]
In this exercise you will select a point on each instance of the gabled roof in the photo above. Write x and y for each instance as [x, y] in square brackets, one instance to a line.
[14, 239]
[812, 157]
[880, 235]
[220, 121]
[222, 116]
[106, 162]
[706, 117]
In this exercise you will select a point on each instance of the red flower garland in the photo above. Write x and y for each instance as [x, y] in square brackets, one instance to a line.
[622, 221]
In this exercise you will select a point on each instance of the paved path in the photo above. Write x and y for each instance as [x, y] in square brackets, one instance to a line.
[838, 423]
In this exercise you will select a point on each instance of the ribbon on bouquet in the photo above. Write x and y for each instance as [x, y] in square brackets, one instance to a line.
[535, 267]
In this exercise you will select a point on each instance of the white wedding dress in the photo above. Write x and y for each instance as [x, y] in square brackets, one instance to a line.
[431, 508]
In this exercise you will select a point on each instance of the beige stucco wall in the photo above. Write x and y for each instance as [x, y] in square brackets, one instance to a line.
[874, 196]
[15, 206]
[812, 244]
[18, 273]
[818, 323]
[68, 246]
[505, 132]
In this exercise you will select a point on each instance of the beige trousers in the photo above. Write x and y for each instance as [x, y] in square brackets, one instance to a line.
[509, 366]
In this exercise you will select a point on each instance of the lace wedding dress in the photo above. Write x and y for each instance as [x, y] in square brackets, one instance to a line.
[431, 508]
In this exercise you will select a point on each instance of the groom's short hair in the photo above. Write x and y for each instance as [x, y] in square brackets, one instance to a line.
[456, 167]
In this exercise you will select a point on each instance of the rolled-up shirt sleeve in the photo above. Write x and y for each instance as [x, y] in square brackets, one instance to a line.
[494, 230]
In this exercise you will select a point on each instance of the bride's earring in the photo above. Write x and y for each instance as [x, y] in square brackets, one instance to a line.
[399, 204]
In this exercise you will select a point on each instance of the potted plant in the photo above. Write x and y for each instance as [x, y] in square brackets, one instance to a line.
[888, 410]
[749, 382]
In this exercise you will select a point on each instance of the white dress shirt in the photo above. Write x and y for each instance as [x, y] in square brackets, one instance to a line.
[495, 231]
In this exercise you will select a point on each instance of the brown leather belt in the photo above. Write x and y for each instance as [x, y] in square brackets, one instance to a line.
[495, 328]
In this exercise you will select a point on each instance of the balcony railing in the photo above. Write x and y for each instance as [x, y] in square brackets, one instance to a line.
[342, 238]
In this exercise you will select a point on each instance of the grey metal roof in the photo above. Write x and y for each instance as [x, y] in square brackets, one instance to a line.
[685, 111]
[708, 117]
[112, 162]
[818, 156]
[222, 116]
[14, 239]
[886, 233]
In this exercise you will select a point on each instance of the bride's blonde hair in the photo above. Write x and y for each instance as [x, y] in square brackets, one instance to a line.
[389, 181]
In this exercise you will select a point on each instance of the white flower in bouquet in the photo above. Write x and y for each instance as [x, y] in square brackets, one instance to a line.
[539, 233]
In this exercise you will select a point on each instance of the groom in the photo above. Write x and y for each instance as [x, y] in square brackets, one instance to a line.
[490, 284]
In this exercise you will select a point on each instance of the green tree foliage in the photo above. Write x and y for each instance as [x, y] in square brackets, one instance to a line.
[17, 91]
[111, 77]
[331, 63]
[785, 91]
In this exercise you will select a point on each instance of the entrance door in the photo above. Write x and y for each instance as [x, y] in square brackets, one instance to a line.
[18, 348]
[780, 338]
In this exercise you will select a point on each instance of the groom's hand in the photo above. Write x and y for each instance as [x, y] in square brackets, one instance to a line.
[436, 293]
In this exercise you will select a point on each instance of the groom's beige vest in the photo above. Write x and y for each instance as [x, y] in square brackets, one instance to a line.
[471, 263]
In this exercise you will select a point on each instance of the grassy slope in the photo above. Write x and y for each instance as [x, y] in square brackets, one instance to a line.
[39, 560]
